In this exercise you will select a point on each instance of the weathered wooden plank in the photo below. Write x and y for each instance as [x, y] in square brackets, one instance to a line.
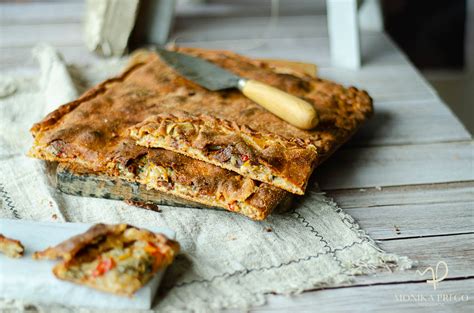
[410, 122]
[89, 184]
[400, 195]
[376, 48]
[381, 287]
[41, 12]
[384, 83]
[451, 296]
[454, 250]
[314, 50]
[376, 289]
[72, 10]
[14, 58]
[21, 35]
[402, 221]
[256, 28]
[386, 73]
[397, 165]
[211, 28]
[226, 8]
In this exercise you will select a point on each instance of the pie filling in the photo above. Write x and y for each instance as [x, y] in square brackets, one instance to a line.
[221, 155]
[119, 264]
[161, 178]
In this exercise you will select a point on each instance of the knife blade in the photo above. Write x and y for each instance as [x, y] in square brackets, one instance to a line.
[292, 109]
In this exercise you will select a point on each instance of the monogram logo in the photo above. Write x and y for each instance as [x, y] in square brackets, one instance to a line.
[435, 273]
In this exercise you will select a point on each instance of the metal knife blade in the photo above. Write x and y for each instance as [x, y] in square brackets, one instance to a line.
[200, 71]
[292, 109]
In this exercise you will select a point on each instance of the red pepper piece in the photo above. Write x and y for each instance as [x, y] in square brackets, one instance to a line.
[153, 250]
[244, 157]
[103, 267]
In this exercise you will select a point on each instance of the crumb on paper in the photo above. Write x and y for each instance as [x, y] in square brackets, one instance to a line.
[268, 229]
[145, 205]
[232, 237]
[397, 229]
[378, 188]
[7, 89]
[54, 216]
[12, 248]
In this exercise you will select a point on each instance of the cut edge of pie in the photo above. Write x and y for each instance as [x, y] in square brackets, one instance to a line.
[263, 157]
[219, 188]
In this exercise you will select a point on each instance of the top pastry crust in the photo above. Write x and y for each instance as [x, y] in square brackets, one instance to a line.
[92, 133]
[93, 130]
[229, 130]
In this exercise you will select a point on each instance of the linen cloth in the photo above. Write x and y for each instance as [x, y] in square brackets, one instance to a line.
[227, 260]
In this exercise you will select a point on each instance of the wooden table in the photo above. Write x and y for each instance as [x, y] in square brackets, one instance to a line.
[407, 177]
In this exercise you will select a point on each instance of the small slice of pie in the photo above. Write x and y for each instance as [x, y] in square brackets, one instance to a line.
[261, 156]
[11, 247]
[119, 259]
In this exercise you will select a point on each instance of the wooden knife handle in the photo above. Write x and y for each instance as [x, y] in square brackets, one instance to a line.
[292, 109]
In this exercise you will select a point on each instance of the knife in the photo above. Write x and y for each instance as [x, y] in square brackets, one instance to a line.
[292, 109]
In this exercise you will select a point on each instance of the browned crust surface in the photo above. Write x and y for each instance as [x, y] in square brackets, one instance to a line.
[93, 130]
[258, 155]
[68, 248]
[11, 247]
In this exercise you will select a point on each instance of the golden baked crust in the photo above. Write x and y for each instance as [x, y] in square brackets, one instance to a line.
[11, 247]
[229, 130]
[87, 133]
[114, 258]
[262, 156]
[93, 131]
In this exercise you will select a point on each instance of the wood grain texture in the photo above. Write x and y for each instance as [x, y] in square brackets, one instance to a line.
[402, 195]
[412, 220]
[410, 122]
[377, 48]
[99, 186]
[289, 108]
[34, 13]
[373, 291]
[454, 250]
[397, 165]
[384, 83]
[60, 34]
[382, 298]
[217, 28]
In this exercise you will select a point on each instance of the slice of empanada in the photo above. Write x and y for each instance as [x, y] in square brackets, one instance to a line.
[119, 259]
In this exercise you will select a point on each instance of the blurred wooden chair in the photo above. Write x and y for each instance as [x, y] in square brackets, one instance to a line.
[345, 18]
